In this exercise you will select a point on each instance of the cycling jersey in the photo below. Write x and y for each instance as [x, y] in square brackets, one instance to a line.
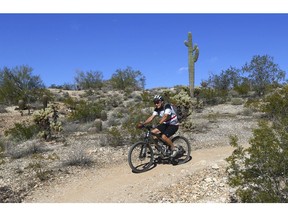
[167, 109]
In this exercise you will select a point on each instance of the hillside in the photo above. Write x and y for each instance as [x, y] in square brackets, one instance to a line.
[46, 176]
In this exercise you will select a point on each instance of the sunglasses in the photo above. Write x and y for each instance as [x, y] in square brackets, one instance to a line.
[157, 102]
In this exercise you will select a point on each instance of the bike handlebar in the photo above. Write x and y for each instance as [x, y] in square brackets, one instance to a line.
[149, 128]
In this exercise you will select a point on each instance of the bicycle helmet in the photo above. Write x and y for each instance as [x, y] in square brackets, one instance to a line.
[158, 98]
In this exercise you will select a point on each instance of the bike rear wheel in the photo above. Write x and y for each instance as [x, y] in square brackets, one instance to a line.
[140, 157]
[185, 149]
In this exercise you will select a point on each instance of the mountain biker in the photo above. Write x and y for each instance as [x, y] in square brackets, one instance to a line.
[168, 124]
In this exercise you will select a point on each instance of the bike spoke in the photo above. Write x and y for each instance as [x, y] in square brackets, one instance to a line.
[185, 149]
[141, 157]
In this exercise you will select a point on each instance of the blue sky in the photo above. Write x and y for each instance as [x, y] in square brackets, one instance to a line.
[57, 45]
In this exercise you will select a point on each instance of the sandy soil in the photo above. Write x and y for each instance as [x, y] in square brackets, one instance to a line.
[119, 185]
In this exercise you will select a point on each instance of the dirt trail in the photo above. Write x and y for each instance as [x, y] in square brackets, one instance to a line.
[119, 185]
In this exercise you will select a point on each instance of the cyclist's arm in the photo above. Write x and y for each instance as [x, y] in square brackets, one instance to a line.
[164, 118]
[150, 119]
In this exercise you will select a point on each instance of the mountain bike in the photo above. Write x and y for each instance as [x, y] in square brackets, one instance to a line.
[143, 154]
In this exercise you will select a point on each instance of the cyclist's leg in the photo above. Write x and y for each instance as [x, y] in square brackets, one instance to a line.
[167, 132]
[155, 131]
[170, 130]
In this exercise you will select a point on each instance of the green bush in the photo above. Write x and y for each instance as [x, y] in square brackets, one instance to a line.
[127, 79]
[212, 96]
[103, 115]
[237, 101]
[259, 173]
[276, 105]
[18, 83]
[22, 132]
[115, 137]
[263, 73]
[89, 80]
[86, 112]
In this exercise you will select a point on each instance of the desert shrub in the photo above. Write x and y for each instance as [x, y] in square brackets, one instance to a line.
[2, 109]
[25, 149]
[22, 132]
[226, 80]
[103, 115]
[98, 125]
[115, 137]
[127, 79]
[259, 172]
[69, 102]
[187, 125]
[247, 112]
[79, 157]
[112, 122]
[212, 96]
[263, 73]
[72, 127]
[19, 83]
[243, 88]
[89, 79]
[137, 97]
[113, 102]
[39, 169]
[86, 111]
[8, 195]
[276, 105]
[146, 98]
[237, 101]
[254, 104]
[137, 113]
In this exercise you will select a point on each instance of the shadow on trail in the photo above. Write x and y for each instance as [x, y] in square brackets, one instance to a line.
[165, 161]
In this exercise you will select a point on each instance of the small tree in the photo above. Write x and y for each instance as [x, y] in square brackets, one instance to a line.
[227, 80]
[128, 79]
[263, 72]
[19, 83]
[89, 79]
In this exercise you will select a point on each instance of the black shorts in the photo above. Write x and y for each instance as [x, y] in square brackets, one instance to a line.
[167, 129]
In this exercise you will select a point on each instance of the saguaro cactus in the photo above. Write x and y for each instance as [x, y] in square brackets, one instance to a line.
[45, 101]
[193, 53]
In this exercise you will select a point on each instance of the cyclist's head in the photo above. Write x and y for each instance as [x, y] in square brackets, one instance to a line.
[157, 99]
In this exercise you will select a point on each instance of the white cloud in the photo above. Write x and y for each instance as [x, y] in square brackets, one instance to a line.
[182, 69]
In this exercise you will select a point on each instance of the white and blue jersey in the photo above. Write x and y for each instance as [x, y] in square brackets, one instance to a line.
[167, 109]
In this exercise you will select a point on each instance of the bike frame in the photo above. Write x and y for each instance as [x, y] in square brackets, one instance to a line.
[148, 148]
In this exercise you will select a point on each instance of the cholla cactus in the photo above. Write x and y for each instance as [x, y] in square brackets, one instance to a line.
[47, 122]
[41, 119]
[193, 54]
[184, 103]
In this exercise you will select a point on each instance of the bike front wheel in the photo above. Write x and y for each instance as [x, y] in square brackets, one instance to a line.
[140, 157]
[184, 146]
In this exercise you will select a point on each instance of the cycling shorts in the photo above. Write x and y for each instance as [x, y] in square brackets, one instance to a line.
[167, 129]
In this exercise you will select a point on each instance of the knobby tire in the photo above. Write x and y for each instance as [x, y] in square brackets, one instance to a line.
[140, 157]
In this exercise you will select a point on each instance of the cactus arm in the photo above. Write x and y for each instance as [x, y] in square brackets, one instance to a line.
[186, 43]
[196, 51]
